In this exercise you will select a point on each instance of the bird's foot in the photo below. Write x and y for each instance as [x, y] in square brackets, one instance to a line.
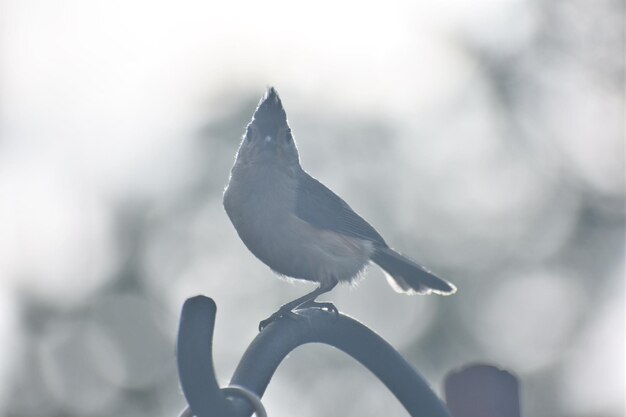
[330, 307]
[292, 313]
[282, 312]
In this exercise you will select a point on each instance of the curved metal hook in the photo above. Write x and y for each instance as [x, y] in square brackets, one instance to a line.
[270, 347]
[194, 353]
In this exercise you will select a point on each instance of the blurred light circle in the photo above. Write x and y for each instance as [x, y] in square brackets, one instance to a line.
[597, 354]
[70, 370]
[55, 241]
[133, 326]
[526, 321]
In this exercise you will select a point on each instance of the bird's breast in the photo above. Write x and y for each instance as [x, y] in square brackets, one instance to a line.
[262, 209]
[258, 201]
[258, 194]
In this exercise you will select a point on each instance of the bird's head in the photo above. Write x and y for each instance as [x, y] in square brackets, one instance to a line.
[268, 138]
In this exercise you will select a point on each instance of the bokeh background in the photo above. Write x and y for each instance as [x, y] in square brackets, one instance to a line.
[484, 138]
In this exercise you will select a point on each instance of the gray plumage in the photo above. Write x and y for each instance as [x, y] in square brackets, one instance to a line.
[299, 227]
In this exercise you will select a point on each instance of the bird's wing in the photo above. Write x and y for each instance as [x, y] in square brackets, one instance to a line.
[323, 209]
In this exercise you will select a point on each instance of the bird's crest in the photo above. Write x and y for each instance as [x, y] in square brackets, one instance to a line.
[270, 114]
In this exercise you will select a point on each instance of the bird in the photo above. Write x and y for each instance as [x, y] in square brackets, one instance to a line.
[299, 227]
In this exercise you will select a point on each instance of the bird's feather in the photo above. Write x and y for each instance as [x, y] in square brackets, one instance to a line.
[323, 209]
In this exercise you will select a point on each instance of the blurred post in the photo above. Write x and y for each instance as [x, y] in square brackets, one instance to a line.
[482, 391]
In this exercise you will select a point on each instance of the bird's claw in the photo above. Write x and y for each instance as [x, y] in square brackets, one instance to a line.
[287, 313]
[330, 307]
[293, 314]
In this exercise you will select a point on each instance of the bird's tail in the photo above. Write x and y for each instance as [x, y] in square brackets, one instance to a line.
[408, 277]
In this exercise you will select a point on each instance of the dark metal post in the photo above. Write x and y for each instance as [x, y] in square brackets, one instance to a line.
[482, 391]
[194, 353]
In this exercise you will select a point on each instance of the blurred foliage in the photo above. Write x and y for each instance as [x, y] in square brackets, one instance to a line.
[511, 187]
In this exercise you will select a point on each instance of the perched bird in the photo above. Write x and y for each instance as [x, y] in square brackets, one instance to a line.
[299, 227]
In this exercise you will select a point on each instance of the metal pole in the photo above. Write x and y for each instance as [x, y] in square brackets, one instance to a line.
[482, 391]
[194, 352]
